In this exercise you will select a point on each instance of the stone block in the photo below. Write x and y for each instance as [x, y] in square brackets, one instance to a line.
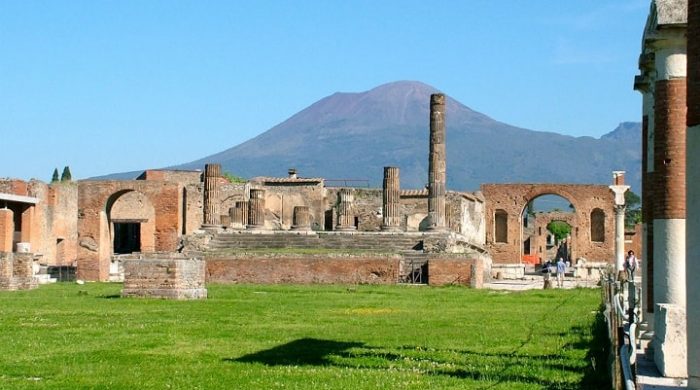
[167, 278]
[670, 340]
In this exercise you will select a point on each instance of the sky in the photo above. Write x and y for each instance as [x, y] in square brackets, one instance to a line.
[113, 86]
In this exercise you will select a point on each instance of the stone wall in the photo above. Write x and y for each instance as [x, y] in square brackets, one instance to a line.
[341, 269]
[169, 278]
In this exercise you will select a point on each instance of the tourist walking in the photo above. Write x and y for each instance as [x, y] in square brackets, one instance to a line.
[561, 269]
[631, 265]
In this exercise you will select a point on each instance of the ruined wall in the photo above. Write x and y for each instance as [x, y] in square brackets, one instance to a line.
[538, 239]
[16, 271]
[343, 269]
[176, 176]
[455, 270]
[95, 200]
[281, 198]
[512, 199]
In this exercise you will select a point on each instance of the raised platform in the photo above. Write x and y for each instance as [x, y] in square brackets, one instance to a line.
[168, 278]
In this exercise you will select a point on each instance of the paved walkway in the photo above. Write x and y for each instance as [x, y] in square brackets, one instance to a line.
[536, 282]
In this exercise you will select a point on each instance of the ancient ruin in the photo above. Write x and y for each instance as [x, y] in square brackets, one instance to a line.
[437, 167]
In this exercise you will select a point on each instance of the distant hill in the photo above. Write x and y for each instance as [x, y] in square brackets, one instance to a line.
[354, 135]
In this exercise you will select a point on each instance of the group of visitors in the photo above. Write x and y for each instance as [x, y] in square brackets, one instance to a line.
[560, 268]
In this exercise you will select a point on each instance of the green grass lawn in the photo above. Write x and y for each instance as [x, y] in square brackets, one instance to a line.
[68, 336]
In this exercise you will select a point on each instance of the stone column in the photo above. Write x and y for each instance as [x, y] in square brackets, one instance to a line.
[301, 218]
[346, 217]
[212, 173]
[256, 209]
[391, 200]
[670, 127]
[437, 167]
[7, 230]
[619, 188]
[239, 213]
[693, 196]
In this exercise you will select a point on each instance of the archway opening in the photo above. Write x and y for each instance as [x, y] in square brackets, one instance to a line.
[548, 229]
[131, 218]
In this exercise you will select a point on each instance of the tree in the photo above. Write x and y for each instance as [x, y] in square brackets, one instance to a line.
[233, 178]
[54, 177]
[633, 212]
[560, 229]
[66, 176]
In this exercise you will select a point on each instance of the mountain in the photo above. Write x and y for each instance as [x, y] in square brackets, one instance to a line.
[354, 135]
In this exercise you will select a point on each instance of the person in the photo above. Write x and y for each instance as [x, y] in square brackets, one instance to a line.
[561, 269]
[631, 265]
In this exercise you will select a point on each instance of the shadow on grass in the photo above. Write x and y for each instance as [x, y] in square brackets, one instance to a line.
[597, 374]
[306, 351]
[110, 296]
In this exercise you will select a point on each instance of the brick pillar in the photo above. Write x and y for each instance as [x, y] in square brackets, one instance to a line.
[7, 230]
[346, 217]
[437, 167]
[301, 218]
[27, 233]
[693, 196]
[391, 200]
[212, 173]
[669, 172]
[256, 209]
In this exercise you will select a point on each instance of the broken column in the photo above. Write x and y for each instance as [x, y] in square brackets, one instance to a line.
[346, 217]
[301, 220]
[619, 188]
[256, 209]
[212, 173]
[239, 214]
[693, 196]
[437, 167]
[391, 200]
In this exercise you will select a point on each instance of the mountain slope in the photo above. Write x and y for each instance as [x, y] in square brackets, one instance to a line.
[354, 135]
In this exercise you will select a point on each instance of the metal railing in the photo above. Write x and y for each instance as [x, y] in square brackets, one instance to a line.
[622, 308]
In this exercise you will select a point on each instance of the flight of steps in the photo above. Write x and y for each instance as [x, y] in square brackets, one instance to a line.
[329, 240]
[413, 267]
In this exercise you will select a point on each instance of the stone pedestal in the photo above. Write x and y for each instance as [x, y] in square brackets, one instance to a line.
[165, 278]
[256, 209]
[391, 200]
[670, 349]
[346, 217]
[437, 164]
[212, 173]
[16, 271]
[301, 218]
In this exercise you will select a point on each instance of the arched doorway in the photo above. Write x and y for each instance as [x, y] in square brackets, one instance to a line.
[548, 229]
[131, 220]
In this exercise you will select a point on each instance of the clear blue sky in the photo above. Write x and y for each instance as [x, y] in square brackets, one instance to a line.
[110, 86]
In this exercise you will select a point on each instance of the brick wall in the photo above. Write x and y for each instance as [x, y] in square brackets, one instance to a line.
[304, 269]
[455, 270]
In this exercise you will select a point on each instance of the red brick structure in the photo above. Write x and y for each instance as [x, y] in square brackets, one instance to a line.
[95, 228]
[592, 227]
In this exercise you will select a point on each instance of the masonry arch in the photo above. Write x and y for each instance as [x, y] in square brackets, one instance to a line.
[155, 205]
[512, 199]
[131, 222]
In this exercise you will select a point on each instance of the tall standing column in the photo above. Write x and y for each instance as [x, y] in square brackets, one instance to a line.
[670, 127]
[619, 188]
[256, 209]
[212, 173]
[437, 165]
[391, 200]
[346, 217]
[693, 196]
[669, 171]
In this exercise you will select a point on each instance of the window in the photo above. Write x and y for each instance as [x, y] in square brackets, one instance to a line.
[598, 225]
[501, 222]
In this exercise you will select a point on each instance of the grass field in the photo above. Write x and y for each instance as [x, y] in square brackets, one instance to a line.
[68, 336]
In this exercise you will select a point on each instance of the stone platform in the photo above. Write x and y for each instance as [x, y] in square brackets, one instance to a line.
[168, 278]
